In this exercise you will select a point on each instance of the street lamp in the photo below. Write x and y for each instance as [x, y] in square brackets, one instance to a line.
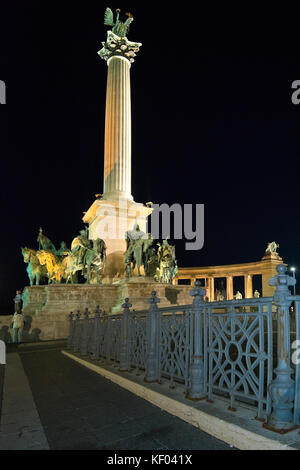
[293, 269]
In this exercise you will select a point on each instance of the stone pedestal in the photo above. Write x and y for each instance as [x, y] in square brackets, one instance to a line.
[109, 220]
[46, 308]
[138, 290]
[270, 262]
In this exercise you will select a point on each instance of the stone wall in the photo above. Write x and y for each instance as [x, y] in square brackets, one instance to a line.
[46, 308]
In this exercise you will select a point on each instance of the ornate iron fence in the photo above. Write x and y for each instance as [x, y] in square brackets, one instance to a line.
[175, 346]
[296, 360]
[137, 341]
[215, 349]
[240, 352]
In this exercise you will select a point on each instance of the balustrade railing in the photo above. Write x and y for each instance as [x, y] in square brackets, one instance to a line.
[215, 349]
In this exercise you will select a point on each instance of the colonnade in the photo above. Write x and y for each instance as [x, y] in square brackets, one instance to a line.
[266, 268]
[210, 286]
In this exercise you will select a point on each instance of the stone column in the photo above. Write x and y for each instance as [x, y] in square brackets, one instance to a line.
[211, 289]
[248, 286]
[113, 214]
[229, 287]
[117, 149]
[119, 54]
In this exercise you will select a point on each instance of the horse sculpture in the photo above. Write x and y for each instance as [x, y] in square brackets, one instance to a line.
[53, 265]
[34, 269]
[68, 267]
[62, 265]
[95, 257]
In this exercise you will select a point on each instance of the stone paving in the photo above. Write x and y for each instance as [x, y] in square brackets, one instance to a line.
[71, 407]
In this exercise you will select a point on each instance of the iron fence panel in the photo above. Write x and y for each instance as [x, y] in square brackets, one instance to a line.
[175, 346]
[240, 355]
[138, 343]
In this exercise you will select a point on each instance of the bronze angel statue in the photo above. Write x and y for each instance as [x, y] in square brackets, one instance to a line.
[119, 28]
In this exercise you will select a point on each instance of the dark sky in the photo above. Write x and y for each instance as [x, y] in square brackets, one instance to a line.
[212, 122]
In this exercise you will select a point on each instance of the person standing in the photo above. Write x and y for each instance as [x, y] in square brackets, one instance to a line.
[17, 325]
[18, 301]
[18, 319]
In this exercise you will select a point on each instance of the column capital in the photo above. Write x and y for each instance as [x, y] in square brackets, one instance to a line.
[115, 46]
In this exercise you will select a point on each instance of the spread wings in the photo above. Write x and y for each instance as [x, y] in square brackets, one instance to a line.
[127, 24]
[108, 17]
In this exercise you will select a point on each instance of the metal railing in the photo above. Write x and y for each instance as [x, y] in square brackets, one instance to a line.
[224, 349]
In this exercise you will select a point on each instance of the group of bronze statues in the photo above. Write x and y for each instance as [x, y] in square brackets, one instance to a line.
[89, 258]
[62, 265]
[159, 264]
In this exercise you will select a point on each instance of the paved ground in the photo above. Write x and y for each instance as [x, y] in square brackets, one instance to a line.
[79, 409]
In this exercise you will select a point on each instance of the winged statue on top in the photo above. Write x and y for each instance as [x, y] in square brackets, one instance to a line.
[118, 27]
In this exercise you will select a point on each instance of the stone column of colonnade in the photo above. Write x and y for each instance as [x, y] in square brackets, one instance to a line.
[117, 148]
[211, 288]
[229, 287]
[248, 286]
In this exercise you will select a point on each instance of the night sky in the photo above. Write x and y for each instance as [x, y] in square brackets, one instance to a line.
[212, 122]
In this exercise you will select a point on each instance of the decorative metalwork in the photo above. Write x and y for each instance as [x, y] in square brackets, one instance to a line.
[197, 383]
[153, 328]
[296, 362]
[93, 345]
[282, 388]
[238, 357]
[71, 332]
[114, 344]
[84, 339]
[103, 339]
[216, 348]
[77, 332]
[174, 351]
[138, 345]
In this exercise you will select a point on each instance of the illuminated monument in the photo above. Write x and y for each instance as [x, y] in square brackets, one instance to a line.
[116, 212]
[46, 307]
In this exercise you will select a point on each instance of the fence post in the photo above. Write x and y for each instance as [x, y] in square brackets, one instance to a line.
[77, 331]
[96, 333]
[85, 333]
[282, 388]
[153, 343]
[108, 338]
[125, 338]
[197, 380]
[71, 331]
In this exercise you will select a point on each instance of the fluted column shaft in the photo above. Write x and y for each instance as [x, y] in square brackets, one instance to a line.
[248, 286]
[229, 287]
[117, 151]
[211, 289]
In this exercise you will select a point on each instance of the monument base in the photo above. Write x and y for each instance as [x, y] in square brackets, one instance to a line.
[138, 290]
[110, 219]
[46, 308]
